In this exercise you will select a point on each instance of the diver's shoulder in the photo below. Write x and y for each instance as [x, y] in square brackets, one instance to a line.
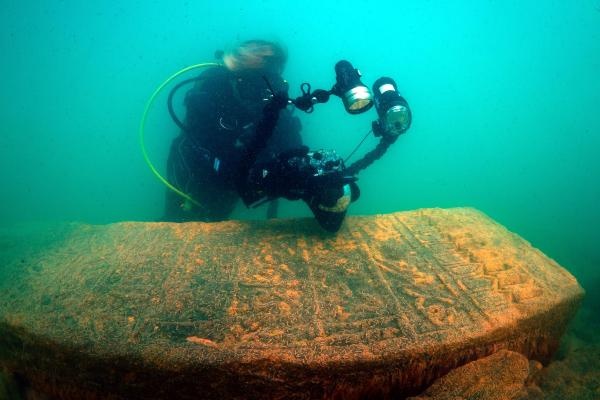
[216, 72]
[214, 79]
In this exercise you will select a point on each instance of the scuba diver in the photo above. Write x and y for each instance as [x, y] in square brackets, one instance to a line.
[222, 111]
[239, 139]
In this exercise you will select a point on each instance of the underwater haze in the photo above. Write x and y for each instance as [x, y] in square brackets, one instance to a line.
[504, 96]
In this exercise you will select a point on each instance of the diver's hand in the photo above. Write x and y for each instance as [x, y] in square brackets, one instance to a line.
[277, 102]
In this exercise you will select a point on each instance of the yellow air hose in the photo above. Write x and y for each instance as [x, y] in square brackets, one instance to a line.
[143, 128]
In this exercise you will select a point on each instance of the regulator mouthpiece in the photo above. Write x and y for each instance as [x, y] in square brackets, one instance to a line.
[393, 111]
[355, 95]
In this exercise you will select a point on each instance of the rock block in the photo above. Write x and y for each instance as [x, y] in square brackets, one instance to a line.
[272, 309]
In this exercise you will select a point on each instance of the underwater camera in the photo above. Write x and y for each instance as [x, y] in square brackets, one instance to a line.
[393, 111]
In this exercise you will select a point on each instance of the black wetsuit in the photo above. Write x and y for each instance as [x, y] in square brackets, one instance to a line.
[206, 160]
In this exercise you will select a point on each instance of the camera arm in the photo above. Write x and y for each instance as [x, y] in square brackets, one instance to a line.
[384, 143]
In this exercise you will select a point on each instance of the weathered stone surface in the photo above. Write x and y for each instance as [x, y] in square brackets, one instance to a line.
[273, 309]
[501, 376]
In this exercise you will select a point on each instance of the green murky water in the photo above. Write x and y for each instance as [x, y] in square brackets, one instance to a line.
[504, 96]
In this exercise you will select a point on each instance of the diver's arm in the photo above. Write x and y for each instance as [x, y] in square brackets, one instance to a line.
[264, 130]
[287, 135]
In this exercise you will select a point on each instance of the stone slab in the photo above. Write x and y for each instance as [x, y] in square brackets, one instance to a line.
[273, 309]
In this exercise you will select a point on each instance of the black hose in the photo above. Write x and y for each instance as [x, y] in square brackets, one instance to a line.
[170, 102]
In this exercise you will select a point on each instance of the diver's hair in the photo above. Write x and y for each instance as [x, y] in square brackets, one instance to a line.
[256, 54]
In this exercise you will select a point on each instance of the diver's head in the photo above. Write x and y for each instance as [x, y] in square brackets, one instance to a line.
[256, 66]
[257, 55]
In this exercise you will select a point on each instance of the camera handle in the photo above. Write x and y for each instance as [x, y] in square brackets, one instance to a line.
[308, 99]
